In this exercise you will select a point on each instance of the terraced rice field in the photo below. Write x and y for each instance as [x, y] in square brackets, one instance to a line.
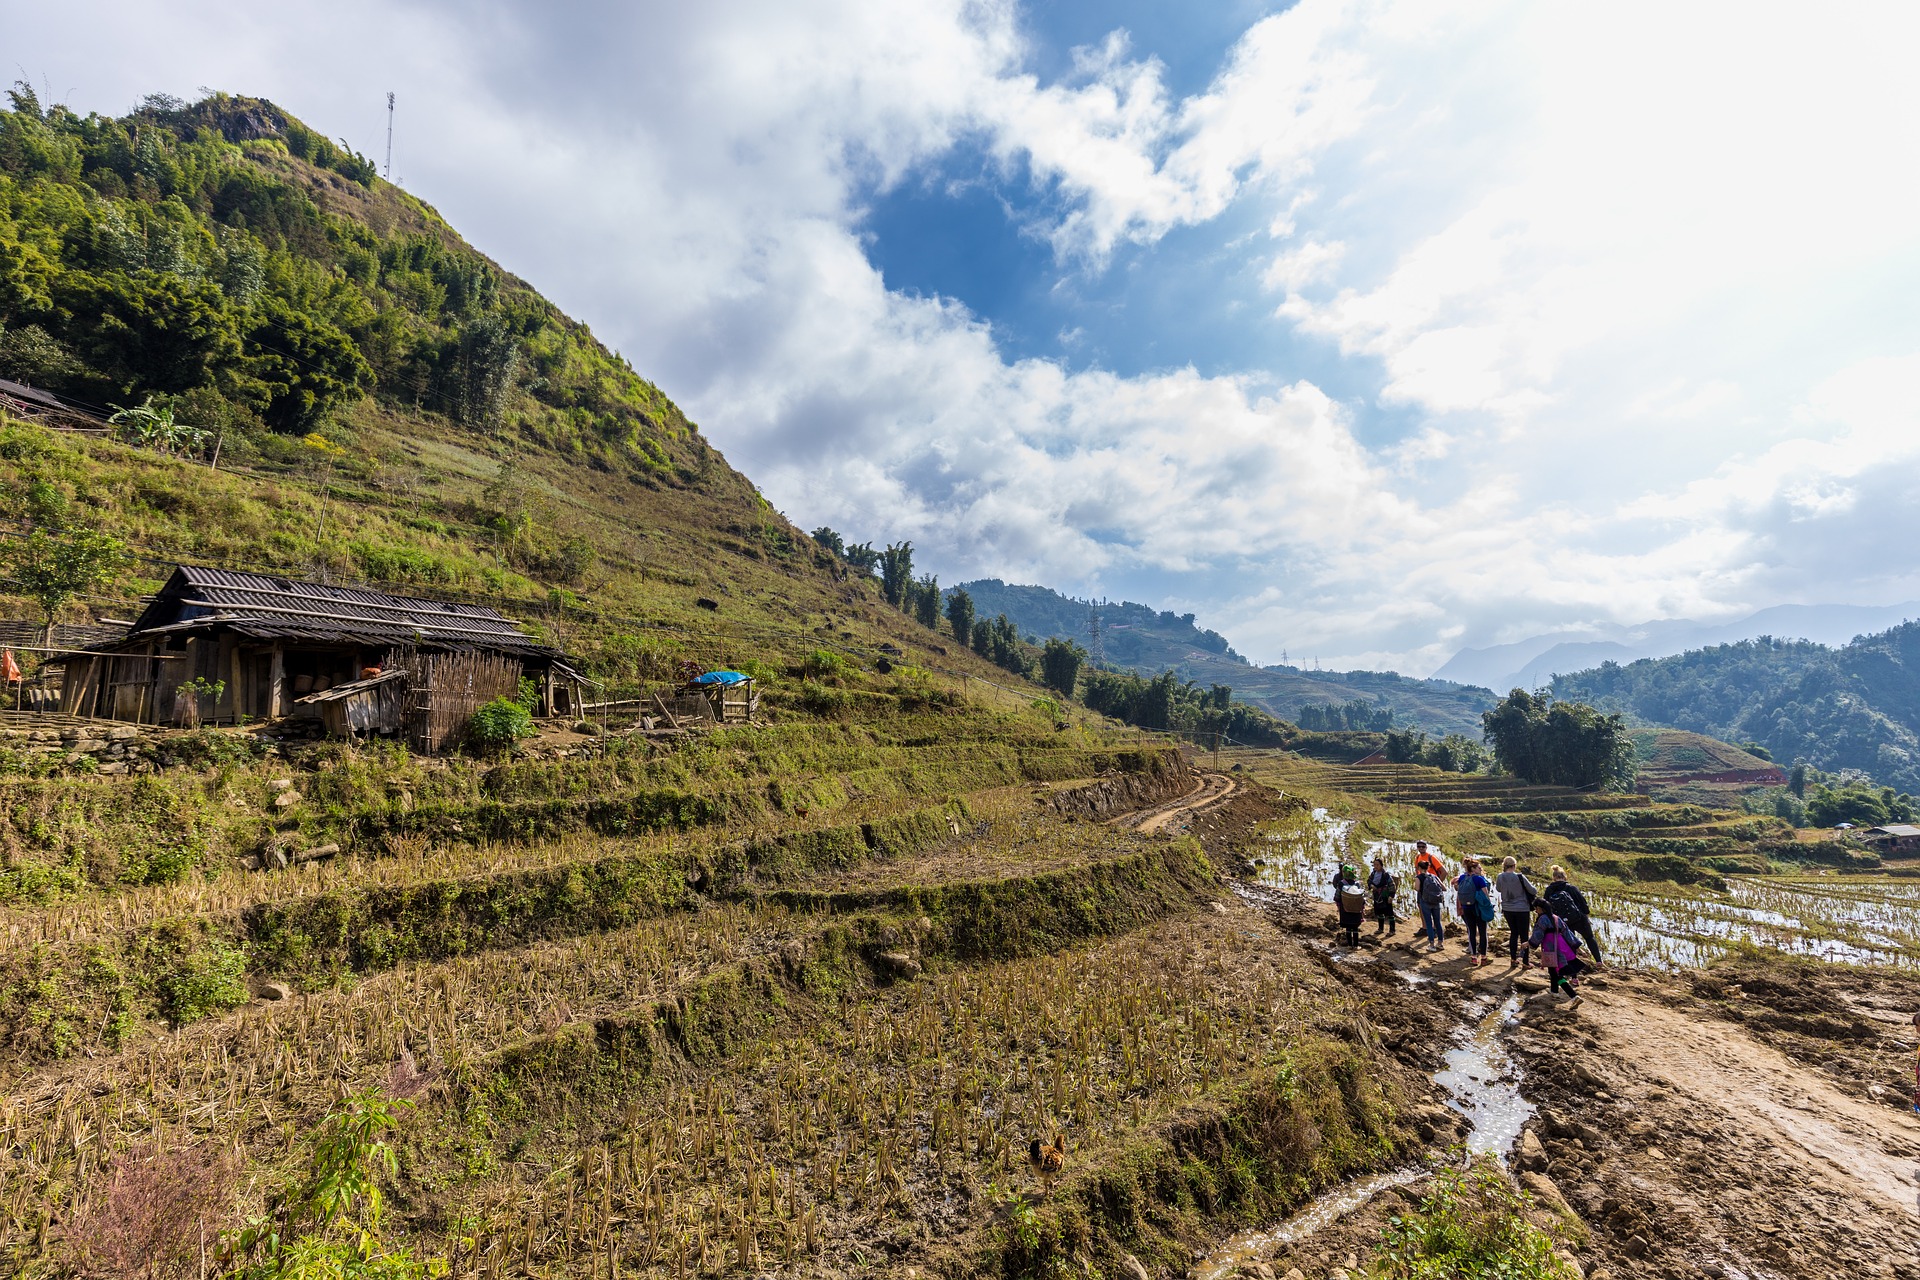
[821, 1047]
[1850, 919]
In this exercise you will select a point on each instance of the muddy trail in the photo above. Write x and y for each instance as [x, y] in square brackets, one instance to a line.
[1751, 1121]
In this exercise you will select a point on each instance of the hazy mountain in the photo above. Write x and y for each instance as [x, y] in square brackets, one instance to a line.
[1138, 637]
[1533, 662]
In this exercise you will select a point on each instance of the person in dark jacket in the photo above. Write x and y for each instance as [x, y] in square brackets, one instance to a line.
[1382, 885]
[1431, 893]
[1350, 900]
[1559, 944]
[1571, 905]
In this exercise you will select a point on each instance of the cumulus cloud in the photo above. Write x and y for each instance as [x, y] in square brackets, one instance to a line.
[1629, 288]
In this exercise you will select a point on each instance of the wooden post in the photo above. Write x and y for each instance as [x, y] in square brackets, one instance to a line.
[277, 682]
[234, 682]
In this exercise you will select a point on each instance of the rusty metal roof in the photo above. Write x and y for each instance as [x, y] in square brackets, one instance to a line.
[272, 608]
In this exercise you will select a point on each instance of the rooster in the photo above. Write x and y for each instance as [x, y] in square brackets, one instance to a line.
[1047, 1161]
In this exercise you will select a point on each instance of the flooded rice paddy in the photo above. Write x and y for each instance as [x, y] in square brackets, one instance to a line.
[1847, 919]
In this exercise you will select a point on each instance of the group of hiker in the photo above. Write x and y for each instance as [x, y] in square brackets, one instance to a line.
[1555, 921]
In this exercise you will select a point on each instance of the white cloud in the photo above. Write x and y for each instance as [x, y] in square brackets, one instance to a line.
[1631, 286]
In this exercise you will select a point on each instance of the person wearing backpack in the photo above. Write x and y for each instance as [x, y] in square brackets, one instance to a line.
[1351, 901]
[1559, 944]
[1474, 897]
[1516, 905]
[1571, 905]
[1382, 886]
[1430, 891]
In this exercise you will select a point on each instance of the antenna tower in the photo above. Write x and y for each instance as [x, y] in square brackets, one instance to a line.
[1096, 647]
[387, 173]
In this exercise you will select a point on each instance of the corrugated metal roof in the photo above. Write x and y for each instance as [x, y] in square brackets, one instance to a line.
[348, 690]
[272, 608]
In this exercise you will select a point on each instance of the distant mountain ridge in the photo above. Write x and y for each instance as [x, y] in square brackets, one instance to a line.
[1137, 637]
[1532, 663]
[1852, 707]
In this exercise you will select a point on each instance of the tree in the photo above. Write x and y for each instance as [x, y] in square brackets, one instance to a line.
[926, 602]
[149, 330]
[983, 638]
[1219, 696]
[960, 616]
[61, 557]
[896, 573]
[1567, 744]
[831, 541]
[485, 363]
[862, 556]
[303, 367]
[1003, 638]
[1156, 703]
[1060, 666]
[1515, 727]
[156, 428]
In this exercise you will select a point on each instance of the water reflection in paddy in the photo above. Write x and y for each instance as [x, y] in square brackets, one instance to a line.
[1853, 920]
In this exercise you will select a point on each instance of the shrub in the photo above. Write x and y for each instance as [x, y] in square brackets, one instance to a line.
[500, 724]
[202, 982]
[1471, 1226]
[824, 700]
[824, 664]
[157, 1211]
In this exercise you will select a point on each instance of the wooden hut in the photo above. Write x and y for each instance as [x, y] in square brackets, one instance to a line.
[359, 661]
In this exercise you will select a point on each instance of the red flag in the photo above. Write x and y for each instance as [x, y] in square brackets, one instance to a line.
[9, 669]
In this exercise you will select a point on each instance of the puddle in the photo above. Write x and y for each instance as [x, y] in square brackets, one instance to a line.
[1484, 1085]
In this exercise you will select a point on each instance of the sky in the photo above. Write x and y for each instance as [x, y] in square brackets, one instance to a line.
[1365, 330]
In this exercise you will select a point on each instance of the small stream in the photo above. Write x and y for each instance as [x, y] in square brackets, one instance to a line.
[1482, 1084]
[1480, 1078]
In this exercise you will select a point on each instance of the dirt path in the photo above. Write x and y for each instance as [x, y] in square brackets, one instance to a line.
[1212, 789]
[1693, 1143]
[1692, 1148]
[1868, 1150]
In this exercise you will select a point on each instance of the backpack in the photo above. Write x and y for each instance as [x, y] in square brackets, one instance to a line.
[1473, 901]
[1558, 946]
[1352, 897]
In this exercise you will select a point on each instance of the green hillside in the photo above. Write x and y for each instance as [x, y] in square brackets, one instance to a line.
[1140, 638]
[1856, 707]
[358, 394]
[1673, 764]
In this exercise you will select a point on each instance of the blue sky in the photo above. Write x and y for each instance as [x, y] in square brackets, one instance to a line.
[1368, 329]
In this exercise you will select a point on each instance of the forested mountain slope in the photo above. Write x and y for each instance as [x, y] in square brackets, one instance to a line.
[1854, 707]
[1139, 638]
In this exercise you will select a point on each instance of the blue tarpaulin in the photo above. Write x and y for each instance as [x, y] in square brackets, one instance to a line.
[720, 677]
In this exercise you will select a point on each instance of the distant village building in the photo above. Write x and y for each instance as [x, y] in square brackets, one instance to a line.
[358, 661]
[1894, 838]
